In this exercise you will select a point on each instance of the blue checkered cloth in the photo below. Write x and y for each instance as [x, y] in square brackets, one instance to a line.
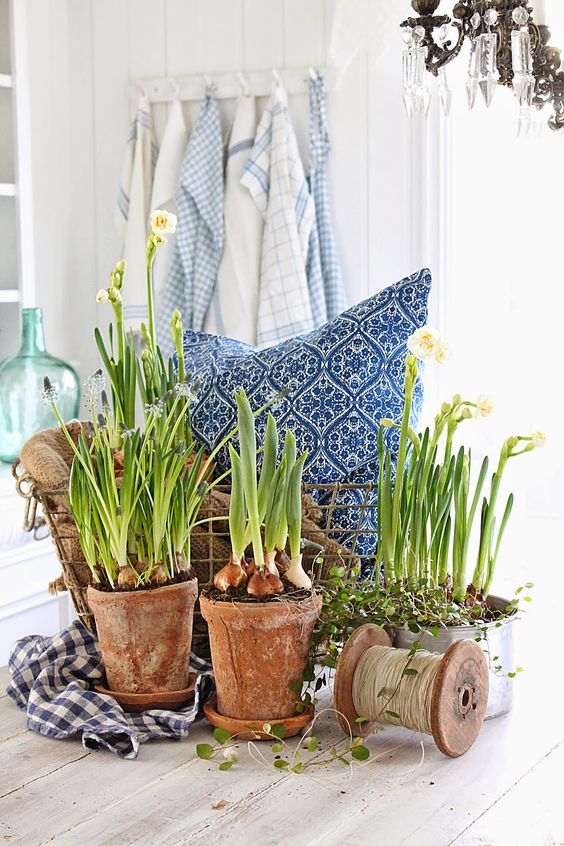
[319, 148]
[275, 179]
[199, 235]
[51, 679]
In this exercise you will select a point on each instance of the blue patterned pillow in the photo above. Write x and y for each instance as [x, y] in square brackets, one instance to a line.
[341, 379]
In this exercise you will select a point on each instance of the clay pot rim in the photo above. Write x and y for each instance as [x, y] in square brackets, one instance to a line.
[190, 585]
[262, 609]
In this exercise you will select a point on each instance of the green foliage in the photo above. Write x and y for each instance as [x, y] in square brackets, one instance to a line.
[427, 505]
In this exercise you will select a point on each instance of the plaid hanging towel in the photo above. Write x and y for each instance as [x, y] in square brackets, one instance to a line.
[51, 679]
[319, 148]
[199, 233]
[275, 179]
[132, 212]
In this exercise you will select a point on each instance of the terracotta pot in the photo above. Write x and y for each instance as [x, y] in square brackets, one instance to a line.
[259, 650]
[145, 636]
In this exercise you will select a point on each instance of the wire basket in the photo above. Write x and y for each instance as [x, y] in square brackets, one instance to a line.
[335, 516]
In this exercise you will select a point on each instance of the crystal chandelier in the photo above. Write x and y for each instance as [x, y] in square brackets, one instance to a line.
[507, 47]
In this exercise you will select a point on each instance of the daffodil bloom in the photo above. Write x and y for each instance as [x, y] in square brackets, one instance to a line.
[163, 222]
[424, 343]
[442, 351]
[538, 438]
[102, 296]
[484, 406]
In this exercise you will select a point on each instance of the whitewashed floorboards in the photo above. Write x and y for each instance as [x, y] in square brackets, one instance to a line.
[507, 790]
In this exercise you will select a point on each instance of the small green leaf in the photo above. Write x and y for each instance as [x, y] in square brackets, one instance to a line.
[312, 744]
[222, 735]
[226, 765]
[529, 585]
[300, 707]
[361, 753]
[410, 671]
[277, 747]
[267, 728]
[393, 714]
[297, 768]
[280, 764]
[344, 760]
[278, 731]
[511, 675]
[204, 750]
[362, 719]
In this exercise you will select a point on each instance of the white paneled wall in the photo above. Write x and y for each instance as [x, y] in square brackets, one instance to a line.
[80, 76]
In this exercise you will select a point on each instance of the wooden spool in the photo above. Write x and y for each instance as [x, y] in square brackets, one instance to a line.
[458, 699]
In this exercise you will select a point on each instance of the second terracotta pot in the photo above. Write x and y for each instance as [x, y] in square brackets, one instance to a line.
[145, 636]
[259, 651]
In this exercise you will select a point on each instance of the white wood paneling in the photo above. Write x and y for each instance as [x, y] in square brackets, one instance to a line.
[97, 47]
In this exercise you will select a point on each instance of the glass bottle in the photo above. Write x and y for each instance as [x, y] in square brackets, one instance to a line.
[22, 408]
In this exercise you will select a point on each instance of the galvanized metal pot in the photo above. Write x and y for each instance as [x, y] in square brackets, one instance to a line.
[499, 642]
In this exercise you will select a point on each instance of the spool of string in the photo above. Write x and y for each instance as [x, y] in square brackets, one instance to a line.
[380, 685]
[443, 695]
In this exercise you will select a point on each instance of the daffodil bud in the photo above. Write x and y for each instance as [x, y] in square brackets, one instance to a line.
[466, 413]
[457, 399]
[387, 423]
[114, 294]
[102, 296]
[121, 265]
[445, 408]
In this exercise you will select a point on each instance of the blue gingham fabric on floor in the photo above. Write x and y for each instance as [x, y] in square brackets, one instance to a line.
[51, 679]
[199, 234]
[319, 148]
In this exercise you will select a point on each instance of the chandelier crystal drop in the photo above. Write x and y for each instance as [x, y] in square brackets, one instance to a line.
[507, 47]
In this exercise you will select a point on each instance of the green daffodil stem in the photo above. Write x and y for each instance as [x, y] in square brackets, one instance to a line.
[151, 251]
[410, 380]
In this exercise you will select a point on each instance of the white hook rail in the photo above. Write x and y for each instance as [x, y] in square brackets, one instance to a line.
[228, 85]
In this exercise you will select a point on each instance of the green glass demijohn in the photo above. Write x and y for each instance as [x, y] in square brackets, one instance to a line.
[22, 408]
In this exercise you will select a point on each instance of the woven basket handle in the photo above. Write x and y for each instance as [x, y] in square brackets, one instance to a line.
[26, 487]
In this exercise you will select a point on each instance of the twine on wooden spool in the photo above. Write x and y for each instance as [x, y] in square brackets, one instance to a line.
[446, 697]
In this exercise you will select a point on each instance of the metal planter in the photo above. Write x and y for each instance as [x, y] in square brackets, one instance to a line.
[499, 642]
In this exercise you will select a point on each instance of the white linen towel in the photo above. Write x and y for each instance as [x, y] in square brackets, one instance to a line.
[275, 178]
[199, 232]
[165, 185]
[132, 212]
[234, 306]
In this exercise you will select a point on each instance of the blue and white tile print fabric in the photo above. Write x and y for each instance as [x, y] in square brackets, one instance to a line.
[51, 679]
[275, 178]
[199, 234]
[319, 149]
[342, 379]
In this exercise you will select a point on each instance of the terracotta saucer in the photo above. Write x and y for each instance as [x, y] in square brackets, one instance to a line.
[252, 729]
[168, 700]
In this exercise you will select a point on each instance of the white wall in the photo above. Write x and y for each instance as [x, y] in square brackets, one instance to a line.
[85, 51]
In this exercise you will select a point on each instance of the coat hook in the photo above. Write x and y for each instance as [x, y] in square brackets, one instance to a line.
[210, 85]
[313, 75]
[244, 84]
[276, 77]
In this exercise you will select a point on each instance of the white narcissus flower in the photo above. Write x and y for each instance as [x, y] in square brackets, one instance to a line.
[163, 222]
[538, 438]
[231, 755]
[102, 296]
[424, 343]
[442, 352]
[484, 406]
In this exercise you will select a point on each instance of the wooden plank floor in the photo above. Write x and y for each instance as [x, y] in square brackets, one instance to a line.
[508, 789]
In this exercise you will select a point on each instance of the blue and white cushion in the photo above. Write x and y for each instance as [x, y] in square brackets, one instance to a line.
[341, 379]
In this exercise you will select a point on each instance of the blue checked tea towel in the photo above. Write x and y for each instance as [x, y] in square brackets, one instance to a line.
[132, 212]
[51, 679]
[319, 148]
[275, 178]
[199, 232]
